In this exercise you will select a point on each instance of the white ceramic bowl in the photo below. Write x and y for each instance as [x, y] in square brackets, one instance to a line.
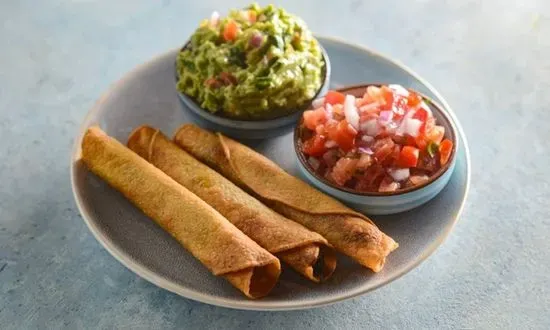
[252, 129]
[385, 202]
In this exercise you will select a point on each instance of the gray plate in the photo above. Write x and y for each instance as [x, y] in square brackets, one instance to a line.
[147, 95]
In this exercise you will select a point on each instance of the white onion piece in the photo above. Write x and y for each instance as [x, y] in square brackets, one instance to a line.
[329, 110]
[402, 129]
[367, 139]
[399, 174]
[413, 127]
[214, 18]
[317, 103]
[385, 117]
[314, 162]
[350, 111]
[367, 151]
[330, 144]
[370, 127]
[399, 90]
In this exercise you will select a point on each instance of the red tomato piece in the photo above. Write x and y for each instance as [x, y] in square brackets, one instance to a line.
[387, 96]
[383, 148]
[343, 170]
[445, 149]
[315, 146]
[314, 118]
[342, 133]
[230, 31]
[408, 157]
[413, 99]
[435, 134]
[334, 97]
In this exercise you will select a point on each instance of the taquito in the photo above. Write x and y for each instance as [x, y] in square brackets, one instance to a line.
[348, 231]
[205, 233]
[305, 251]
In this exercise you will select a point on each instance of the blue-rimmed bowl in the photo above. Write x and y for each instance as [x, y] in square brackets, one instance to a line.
[385, 202]
[252, 129]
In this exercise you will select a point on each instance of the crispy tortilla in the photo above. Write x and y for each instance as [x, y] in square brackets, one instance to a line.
[205, 233]
[305, 251]
[349, 232]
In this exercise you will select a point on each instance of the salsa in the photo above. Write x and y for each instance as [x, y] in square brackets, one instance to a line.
[256, 63]
[383, 141]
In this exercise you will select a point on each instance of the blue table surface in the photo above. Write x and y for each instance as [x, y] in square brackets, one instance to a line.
[490, 59]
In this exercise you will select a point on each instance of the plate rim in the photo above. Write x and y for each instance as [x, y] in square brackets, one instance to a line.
[257, 305]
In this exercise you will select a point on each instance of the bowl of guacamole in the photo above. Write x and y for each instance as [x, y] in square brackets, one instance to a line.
[254, 69]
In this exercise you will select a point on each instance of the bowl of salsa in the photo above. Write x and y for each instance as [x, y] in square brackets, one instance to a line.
[380, 148]
[252, 72]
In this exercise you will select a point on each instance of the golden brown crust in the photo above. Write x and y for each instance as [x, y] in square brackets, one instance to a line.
[292, 242]
[206, 234]
[348, 231]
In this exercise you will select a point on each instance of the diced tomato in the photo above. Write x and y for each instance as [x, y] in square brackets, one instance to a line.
[394, 156]
[314, 118]
[388, 185]
[252, 16]
[342, 133]
[387, 96]
[371, 179]
[383, 148]
[212, 83]
[435, 134]
[373, 107]
[410, 141]
[400, 107]
[445, 149]
[343, 170]
[334, 97]
[230, 31]
[422, 115]
[408, 157]
[413, 99]
[228, 79]
[315, 146]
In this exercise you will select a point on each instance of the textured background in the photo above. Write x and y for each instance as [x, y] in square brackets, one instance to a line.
[490, 59]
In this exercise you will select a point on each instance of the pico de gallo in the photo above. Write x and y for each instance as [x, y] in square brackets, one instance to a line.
[383, 141]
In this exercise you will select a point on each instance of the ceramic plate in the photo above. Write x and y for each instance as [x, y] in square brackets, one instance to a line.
[147, 95]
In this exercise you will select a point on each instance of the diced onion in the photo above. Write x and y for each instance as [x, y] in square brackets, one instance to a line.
[214, 18]
[350, 111]
[385, 117]
[399, 90]
[413, 127]
[314, 162]
[367, 151]
[399, 174]
[402, 129]
[317, 103]
[256, 40]
[370, 127]
[367, 138]
[329, 110]
[330, 144]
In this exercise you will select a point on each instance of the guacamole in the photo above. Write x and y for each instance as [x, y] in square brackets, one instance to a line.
[256, 63]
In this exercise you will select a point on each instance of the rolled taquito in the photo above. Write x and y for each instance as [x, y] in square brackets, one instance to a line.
[305, 251]
[205, 233]
[348, 231]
